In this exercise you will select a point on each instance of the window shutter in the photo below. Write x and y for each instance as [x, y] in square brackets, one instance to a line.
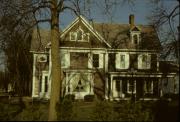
[101, 61]
[90, 60]
[65, 60]
[126, 61]
[139, 61]
[117, 61]
[148, 61]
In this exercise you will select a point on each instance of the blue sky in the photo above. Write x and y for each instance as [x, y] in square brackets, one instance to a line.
[141, 9]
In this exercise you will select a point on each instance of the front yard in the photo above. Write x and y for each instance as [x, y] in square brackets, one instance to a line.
[23, 109]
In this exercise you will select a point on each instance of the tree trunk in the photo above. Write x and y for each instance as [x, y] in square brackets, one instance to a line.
[55, 83]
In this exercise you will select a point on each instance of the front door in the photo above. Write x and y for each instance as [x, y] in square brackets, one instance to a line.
[80, 85]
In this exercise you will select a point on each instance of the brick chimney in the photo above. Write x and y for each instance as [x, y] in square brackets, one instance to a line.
[131, 20]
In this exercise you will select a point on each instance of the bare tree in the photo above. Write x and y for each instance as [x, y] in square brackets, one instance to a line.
[165, 19]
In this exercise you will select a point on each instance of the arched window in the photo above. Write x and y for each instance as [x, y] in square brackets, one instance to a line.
[135, 38]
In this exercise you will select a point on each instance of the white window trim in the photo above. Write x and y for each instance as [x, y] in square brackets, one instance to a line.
[140, 62]
[118, 60]
[83, 34]
[101, 60]
[66, 58]
[138, 37]
[128, 84]
[71, 35]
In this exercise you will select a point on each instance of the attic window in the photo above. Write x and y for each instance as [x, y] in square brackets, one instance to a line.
[79, 35]
[73, 36]
[135, 38]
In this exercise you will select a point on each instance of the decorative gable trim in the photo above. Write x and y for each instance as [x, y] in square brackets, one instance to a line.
[88, 26]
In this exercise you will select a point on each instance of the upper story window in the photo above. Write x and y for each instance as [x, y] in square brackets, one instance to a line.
[96, 60]
[65, 59]
[79, 35]
[144, 61]
[122, 61]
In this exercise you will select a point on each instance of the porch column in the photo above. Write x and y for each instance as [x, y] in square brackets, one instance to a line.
[152, 89]
[91, 84]
[106, 88]
[111, 96]
[157, 62]
[160, 90]
[135, 88]
[34, 77]
[43, 84]
[114, 87]
[106, 62]
[121, 88]
[144, 91]
[66, 83]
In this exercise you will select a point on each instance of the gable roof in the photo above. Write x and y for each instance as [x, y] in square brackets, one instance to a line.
[116, 36]
[135, 28]
[91, 29]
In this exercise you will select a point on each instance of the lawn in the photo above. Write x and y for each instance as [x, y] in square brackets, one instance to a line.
[91, 111]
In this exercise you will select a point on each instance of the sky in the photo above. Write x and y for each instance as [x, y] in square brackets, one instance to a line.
[141, 9]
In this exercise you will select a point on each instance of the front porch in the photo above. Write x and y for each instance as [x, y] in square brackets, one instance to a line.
[78, 83]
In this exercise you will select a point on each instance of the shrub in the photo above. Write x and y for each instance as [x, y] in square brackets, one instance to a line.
[65, 109]
[103, 111]
[89, 98]
[70, 97]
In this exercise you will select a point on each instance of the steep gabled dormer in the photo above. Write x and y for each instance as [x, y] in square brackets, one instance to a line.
[135, 33]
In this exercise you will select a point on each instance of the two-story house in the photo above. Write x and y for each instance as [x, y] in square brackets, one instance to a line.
[114, 61]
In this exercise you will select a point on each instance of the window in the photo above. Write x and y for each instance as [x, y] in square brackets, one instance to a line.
[135, 38]
[96, 60]
[79, 35]
[131, 86]
[149, 86]
[46, 83]
[144, 61]
[122, 61]
[65, 59]
[73, 36]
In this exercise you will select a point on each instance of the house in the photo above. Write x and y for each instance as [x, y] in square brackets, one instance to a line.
[113, 61]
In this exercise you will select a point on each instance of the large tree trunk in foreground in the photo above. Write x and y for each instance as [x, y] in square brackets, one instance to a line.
[55, 83]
